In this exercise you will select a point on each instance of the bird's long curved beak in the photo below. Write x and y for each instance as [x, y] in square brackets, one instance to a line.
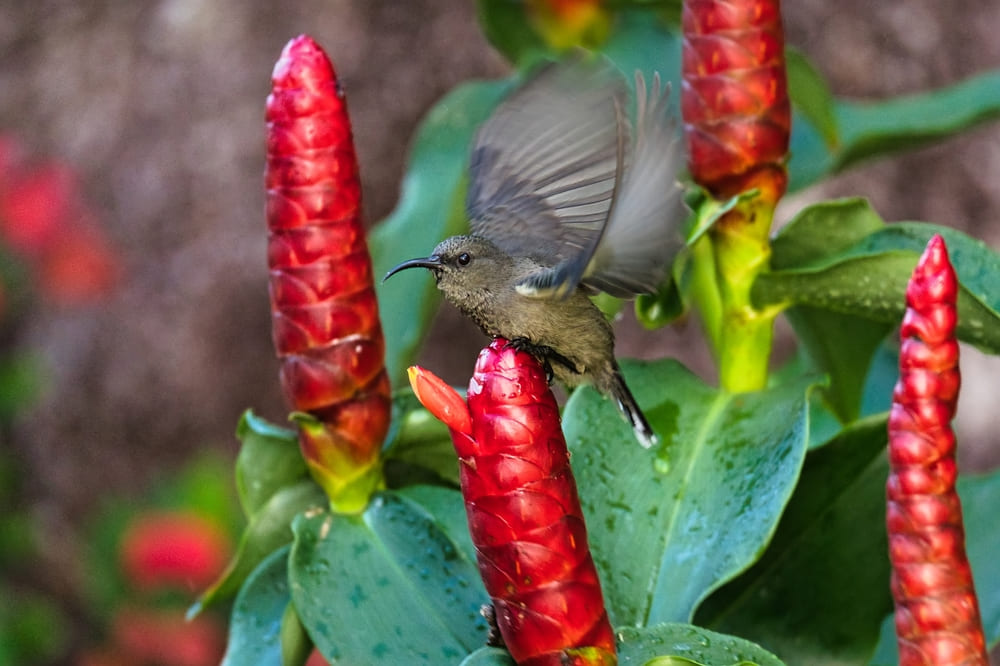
[432, 262]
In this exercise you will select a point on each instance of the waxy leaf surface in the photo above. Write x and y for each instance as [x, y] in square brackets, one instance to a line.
[255, 625]
[394, 571]
[817, 595]
[865, 268]
[670, 524]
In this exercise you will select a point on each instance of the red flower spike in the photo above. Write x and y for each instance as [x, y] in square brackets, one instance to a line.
[523, 510]
[325, 320]
[937, 615]
[734, 97]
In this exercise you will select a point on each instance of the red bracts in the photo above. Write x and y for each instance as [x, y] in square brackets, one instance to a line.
[523, 510]
[325, 321]
[734, 96]
[937, 615]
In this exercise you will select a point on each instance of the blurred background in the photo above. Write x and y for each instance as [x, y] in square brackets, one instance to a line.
[134, 317]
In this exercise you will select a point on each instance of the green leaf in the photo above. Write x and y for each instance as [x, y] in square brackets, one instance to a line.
[872, 129]
[878, 128]
[448, 509]
[842, 346]
[431, 208]
[661, 308]
[818, 594]
[505, 25]
[419, 440]
[296, 646]
[866, 275]
[387, 586]
[810, 94]
[268, 530]
[980, 497]
[674, 644]
[269, 460]
[823, 230]
[669, 525]
[489, 656]
[255, 625]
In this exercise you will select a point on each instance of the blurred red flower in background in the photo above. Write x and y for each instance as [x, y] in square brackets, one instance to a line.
[45, 221]
[173, 549]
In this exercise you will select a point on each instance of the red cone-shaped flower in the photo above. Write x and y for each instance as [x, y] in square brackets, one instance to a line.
[735, 96]
[523, 510]
[937, 615]
[325, 319]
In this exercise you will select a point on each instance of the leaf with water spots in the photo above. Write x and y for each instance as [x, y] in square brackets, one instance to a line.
[387, 586]
[673, 644]
[255, 625]
[817, 595]
[670, 524]
[837, 256]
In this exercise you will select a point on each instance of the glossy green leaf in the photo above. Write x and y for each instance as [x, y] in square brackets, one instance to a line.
[393, 571]
[661, 308]
[842, 346]
[980, 498]
[670, 524]
[819, 592]
[673, 644]
[489, 656]
[871, 129]
[255, 625]
[823, 230]
[448, 509]
[868, 277]
[268, 530]
[431, 208]
[418, 440]
[811, 96]
[269, 460]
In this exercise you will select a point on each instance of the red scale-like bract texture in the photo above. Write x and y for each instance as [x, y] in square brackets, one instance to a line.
[525, 517]
[523, 510]
[325, 320]
[937, 615]
[734, 96]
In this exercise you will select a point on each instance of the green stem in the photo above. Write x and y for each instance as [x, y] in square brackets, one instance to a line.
[742, 252]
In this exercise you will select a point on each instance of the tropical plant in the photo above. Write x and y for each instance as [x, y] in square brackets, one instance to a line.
[755, 532]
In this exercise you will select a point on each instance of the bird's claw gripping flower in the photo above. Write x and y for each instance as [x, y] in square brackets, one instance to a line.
[937, 614]
[325, 320]
[523, 510]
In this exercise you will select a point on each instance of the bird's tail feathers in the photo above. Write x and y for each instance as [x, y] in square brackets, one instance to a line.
[628, 406]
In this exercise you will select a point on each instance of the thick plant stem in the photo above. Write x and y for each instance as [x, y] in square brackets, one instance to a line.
[742, 252]
[937, 613]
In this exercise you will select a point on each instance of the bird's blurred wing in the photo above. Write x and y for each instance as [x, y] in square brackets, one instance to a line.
[545, 166]
[644, 230]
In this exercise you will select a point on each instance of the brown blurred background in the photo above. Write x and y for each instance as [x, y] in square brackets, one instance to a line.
[159, 107]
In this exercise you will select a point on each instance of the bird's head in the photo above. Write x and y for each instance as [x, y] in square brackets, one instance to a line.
[465, 267]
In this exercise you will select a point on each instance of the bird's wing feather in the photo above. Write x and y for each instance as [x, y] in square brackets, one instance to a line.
[644, 229]
[545, 167]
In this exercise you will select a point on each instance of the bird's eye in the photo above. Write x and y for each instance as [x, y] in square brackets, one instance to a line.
[464, 259]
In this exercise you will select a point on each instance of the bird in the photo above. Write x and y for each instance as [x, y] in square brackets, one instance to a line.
[567, 198]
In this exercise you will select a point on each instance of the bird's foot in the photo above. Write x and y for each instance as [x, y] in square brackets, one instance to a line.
[545, 355]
